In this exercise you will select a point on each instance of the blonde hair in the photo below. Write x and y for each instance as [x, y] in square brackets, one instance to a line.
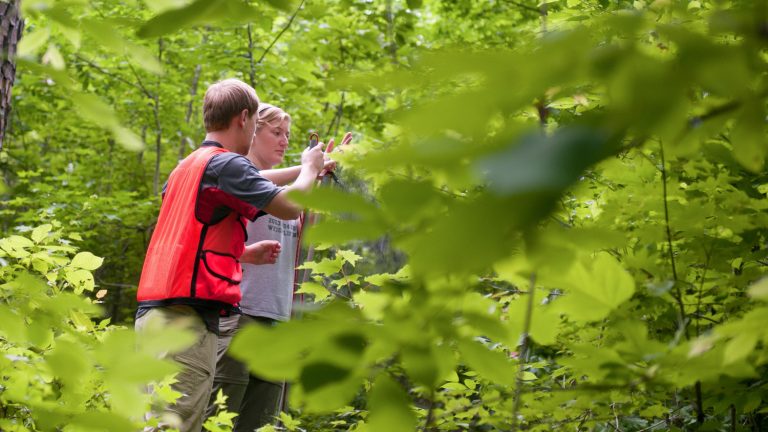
[225, 100]
[271, 115]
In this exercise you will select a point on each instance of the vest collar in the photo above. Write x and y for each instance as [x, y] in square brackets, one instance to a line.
[209, 143]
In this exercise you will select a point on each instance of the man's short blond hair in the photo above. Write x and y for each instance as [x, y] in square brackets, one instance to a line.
[225, 100]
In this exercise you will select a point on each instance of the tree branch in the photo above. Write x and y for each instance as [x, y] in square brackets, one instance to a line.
[524, 348]
[110, 74]
[274, 41]
[524, 6]
[679, 294]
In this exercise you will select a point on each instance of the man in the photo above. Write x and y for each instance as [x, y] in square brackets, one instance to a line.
[192, 271]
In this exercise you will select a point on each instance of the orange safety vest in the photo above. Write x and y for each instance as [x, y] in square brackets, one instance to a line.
[190, 259]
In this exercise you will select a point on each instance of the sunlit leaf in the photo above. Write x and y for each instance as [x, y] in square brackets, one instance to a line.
[390, 407]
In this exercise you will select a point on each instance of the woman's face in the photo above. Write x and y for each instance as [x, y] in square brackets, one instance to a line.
[269, 144]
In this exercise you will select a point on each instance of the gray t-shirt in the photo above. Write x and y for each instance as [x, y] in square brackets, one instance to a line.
[268, 289]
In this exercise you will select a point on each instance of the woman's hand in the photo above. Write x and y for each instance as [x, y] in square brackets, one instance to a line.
[328, 163]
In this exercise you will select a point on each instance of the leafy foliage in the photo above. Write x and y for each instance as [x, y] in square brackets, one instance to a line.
[60, 367]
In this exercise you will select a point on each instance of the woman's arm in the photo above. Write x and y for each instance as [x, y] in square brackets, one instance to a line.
[281, 176]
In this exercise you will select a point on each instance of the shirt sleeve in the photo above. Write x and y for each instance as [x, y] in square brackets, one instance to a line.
[238, 177]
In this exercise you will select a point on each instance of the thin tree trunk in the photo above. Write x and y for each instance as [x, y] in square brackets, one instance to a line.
[158, 126]
[11, 26]
[190, 105]
[251, 64]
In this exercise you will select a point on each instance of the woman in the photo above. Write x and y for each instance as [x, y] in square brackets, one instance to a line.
[267, 289]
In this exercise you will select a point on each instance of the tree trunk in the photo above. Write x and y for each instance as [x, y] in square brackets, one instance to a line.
[11, 26]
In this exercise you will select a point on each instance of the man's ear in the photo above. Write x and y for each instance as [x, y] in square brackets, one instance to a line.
[243, 118]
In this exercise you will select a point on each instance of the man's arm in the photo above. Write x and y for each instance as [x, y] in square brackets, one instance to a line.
[284, 176]
[311, 165]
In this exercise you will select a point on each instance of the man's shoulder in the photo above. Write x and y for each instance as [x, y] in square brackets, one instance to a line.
[229, 163]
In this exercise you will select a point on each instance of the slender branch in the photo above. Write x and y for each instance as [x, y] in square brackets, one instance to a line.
[652, 162]
[706, 318]
[341, 114]
[114, 284]
[139, 82]
[584, 418]
[251, 64]
[616, 418]
[274, 41]
[430, 411]
[659, 423]
[524, 6]
[699, 403]
[110, 74]
[391, 32]
[349, 282]
[707, 254]
[192, 94]
[158, 127]
[679, 294]
[714, 112]
[524, 348]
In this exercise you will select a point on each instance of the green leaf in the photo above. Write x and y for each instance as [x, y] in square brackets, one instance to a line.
[325, 267]
[597, 287]
[442, 249]
[349, 256]
[204, 12]
[414, 4]
[102, 420]
[390, 407]
[405, 200]
[740, 347]
[541, 163]
[287, 343]
[176, 19]
[17, 242]
[81, 280]
[334, 200]
[41, 232]
[12, 326]
[492, 365]
[127, 138]
[372, 304]
[343, 231]
[759, 289]
[33, 41]
[87, 261]
[54, 58]
[319, 291]
[750, 144]
[92, 108]
[419, 364]
[118, 356]
[69, 362]
[317, 375]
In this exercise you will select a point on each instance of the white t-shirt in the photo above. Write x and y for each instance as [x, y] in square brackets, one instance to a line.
[268, 289]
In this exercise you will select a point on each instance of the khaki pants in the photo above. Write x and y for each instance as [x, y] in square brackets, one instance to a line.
[254, 399]
[198, 361]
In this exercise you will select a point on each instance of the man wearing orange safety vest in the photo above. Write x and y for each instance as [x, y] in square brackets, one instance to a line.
[192, 269]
